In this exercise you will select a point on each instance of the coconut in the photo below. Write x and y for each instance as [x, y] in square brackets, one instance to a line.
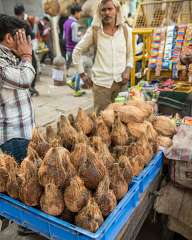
[118, 183]
[119, 135]
[92, 170]
[164, 141]
[105, 197]
[144, 106]
[131, 114]
[67, 133]
[52, 169]
[108, 117]
[52, 200]
[76, 195]
[102, 131]
[84, 121]
[79, 155]
[103, 152]
[164, 126]
[90, 217]
[126, 167]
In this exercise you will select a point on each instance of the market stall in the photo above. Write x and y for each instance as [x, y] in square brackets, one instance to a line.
[90, 178]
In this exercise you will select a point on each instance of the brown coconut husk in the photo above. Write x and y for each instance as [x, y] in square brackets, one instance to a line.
[90, 217]
[92, 170]
[151, 132]
[71, 119]
[144, 106]
[164, 141]
[52, 201]
[8, 175]
[50, 134]
[82, 138]
[79, 155]
[30, 189]
[137, 129]
[67, 133]
[103, 131]
[38, 143]
[84, 122]
[52, 169]
[76, 195]
[164, 126]
[126, 167]
[4, 176]
[115, 106]
[103, 152]
[145, 149]
[105, 197]
[118, 151]
[131, 114]
[108, 117]
[118, 183]
[119, 135]
[136, 164]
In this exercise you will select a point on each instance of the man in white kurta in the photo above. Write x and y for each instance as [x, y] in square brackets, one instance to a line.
[113, 57]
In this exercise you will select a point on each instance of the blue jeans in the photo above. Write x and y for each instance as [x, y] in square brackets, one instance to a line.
[16, 147]
[76, 78]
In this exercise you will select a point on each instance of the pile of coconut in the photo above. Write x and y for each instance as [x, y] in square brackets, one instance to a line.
[80, 170]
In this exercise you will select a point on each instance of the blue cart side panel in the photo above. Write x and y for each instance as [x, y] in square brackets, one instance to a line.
[54, 228]
[150, 172]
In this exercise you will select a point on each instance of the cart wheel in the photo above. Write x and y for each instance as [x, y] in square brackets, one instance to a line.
[166, 233]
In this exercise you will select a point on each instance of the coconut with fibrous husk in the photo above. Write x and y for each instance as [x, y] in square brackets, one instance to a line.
[118, 183]
[119, 135]
[84, 121]
[76, 195]
[105, 197]
[164, 141]
[39, 143]
[52, 168]
[137, 129]
[79, 155]
[90, 217]
[151, 132]
[130, 114]
[126, 167]
[71, 119]
[103, 152]
[52, 201]
[92, 169]
[164, 126]
[8, 175]
[146, 107]
[30, 189]
[108, 117]
[50, 134]
[103, 131]
[67, 133]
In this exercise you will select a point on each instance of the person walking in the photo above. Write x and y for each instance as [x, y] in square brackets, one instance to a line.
[71, 37]
[112, 41]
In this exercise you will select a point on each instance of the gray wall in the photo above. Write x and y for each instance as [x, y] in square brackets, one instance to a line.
[33, 7]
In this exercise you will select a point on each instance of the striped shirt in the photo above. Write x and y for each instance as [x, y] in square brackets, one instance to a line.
[16, 111]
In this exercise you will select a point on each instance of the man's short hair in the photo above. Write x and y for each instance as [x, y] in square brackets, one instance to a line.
[19, 9]
[9, 24]
[75, 8]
